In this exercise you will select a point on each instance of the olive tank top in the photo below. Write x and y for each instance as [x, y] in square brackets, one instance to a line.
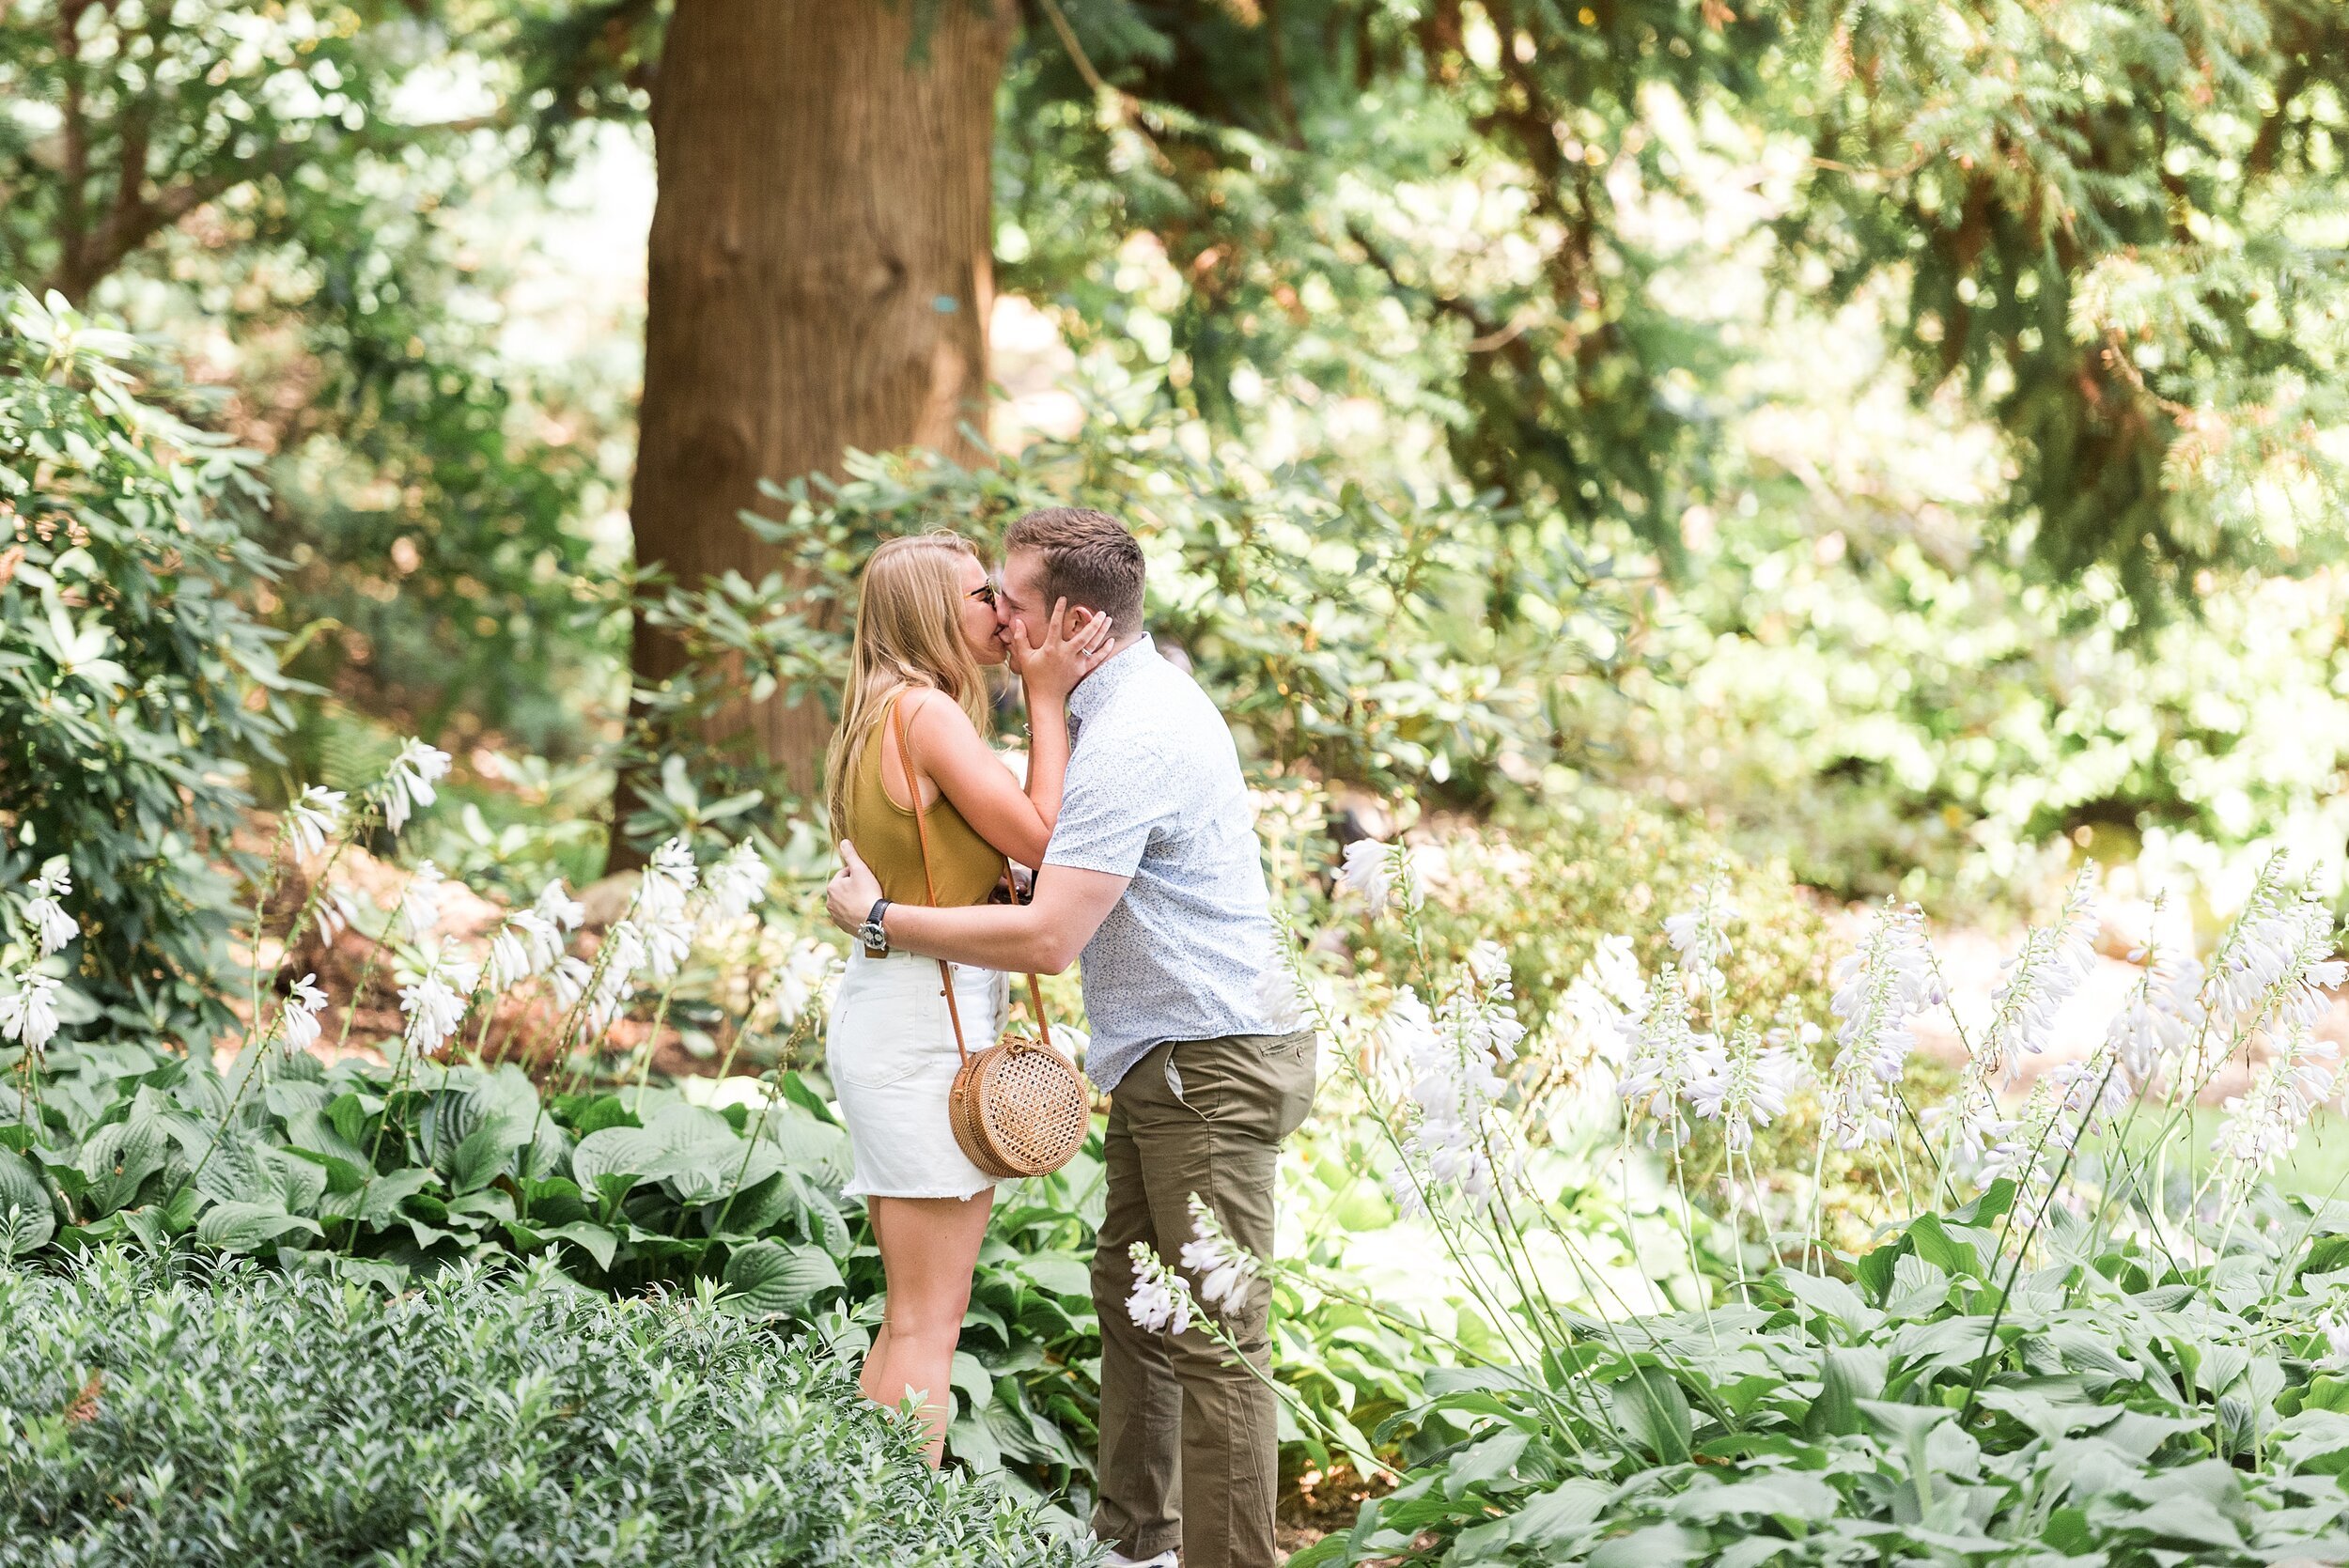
[965, 866]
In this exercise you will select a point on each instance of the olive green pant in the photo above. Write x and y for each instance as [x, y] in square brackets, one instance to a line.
[1188, 1452]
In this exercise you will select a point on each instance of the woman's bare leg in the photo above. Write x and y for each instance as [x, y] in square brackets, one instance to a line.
[877, 1358]
[929, 1247]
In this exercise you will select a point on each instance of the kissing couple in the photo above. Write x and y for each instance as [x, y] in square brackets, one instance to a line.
[1147, 874]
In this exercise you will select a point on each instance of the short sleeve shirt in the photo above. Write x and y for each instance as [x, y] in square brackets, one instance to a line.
[1154, 792]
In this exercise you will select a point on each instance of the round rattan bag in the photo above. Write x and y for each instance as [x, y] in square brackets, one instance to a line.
[1019, 1106]
[1019, 1109]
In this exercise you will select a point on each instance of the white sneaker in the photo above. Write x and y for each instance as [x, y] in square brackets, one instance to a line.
[1164, 1560]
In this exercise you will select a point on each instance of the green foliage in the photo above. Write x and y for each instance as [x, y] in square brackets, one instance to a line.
[399, 1176]
[1892, 717]
[1945, 1400]
[408, 1169]
[159, 1412]
[2117, 231]
[1354, 632]
[133, 684]
[304, 189]
[1569, 876]
[2120, 227]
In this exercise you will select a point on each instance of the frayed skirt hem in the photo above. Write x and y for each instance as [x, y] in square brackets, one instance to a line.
[965, 1196]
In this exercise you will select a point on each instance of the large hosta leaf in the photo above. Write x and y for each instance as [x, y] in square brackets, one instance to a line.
[707, 1170]
[478, 1160]
[26, 1222]
[622, 1154]
[248, 1227]
[117, 1158]
[770, 1279]
[20, 1183]
[809, 1145]
[472, 1123]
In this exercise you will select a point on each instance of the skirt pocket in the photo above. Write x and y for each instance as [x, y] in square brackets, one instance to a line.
[880, 1042]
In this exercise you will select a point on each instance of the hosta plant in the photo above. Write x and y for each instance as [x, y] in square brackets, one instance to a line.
[2091, 1342]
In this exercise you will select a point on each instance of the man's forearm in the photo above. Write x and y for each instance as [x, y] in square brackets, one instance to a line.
[1008, 937]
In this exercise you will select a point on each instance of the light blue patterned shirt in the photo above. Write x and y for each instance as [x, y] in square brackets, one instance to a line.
[1154, 792]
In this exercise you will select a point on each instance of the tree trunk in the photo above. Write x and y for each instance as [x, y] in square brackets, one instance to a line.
[820, 275]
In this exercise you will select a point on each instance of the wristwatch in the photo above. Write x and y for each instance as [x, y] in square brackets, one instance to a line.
[870, 933]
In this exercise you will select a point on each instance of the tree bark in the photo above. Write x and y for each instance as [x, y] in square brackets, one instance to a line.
[819, 273]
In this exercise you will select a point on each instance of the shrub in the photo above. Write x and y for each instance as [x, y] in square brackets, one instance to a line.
[132, 683]
[158, 1414]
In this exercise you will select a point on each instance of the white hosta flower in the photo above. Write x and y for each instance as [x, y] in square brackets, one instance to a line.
[298, 1016]
[661, 916]
[408, 784]
[314, 819]
[1280, 997]
[1449, 1059]
[2159, 1022]
[525, 947]
[561, 909]
[1160, 1302]
[1382, 874]
[2276, 967]
[434, 998]
[1607, 1000]
[666, 948]
[1406, 1186]
[2336, 1332]
[1878, 989]
[615, 981]
[2040, 979]
[1744, 1085]
[803, 977]
[29, 1014]
[1665, 1056]
[2264, 1120]
[1225, 1269]
[1699, 937]
[570, 977]
[338, 911]
[420, 901]
[736, 884]
[53, 929]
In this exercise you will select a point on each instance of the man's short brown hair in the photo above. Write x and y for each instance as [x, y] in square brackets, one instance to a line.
[1089, 559]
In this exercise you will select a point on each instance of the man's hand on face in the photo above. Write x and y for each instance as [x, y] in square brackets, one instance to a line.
[849, 896]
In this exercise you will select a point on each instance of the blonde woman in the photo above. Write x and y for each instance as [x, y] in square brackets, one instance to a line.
[927, 623]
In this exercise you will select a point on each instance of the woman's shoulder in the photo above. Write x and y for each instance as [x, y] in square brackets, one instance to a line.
[933, 709]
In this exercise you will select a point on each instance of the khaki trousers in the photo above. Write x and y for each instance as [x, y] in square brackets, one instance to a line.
[1189, 1454]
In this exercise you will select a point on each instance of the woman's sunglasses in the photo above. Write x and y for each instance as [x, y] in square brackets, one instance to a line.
[984, 592]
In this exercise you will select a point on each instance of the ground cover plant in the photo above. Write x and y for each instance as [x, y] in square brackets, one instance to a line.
[159, 1411]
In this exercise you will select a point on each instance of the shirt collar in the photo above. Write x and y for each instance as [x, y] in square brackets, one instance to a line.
[1093, 694]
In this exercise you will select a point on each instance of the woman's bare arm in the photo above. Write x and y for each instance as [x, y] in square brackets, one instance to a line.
[952, 756]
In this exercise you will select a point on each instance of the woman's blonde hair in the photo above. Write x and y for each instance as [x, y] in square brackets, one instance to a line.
[909, 633]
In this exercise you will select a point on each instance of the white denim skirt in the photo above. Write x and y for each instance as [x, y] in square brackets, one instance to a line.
[889, 1050]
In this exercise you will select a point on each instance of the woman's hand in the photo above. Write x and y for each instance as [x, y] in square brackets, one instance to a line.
[1075, 643]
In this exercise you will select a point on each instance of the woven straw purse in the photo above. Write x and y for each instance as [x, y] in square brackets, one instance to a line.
[1019, 1106]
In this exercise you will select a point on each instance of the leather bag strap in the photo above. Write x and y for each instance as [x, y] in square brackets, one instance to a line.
[929, 880]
